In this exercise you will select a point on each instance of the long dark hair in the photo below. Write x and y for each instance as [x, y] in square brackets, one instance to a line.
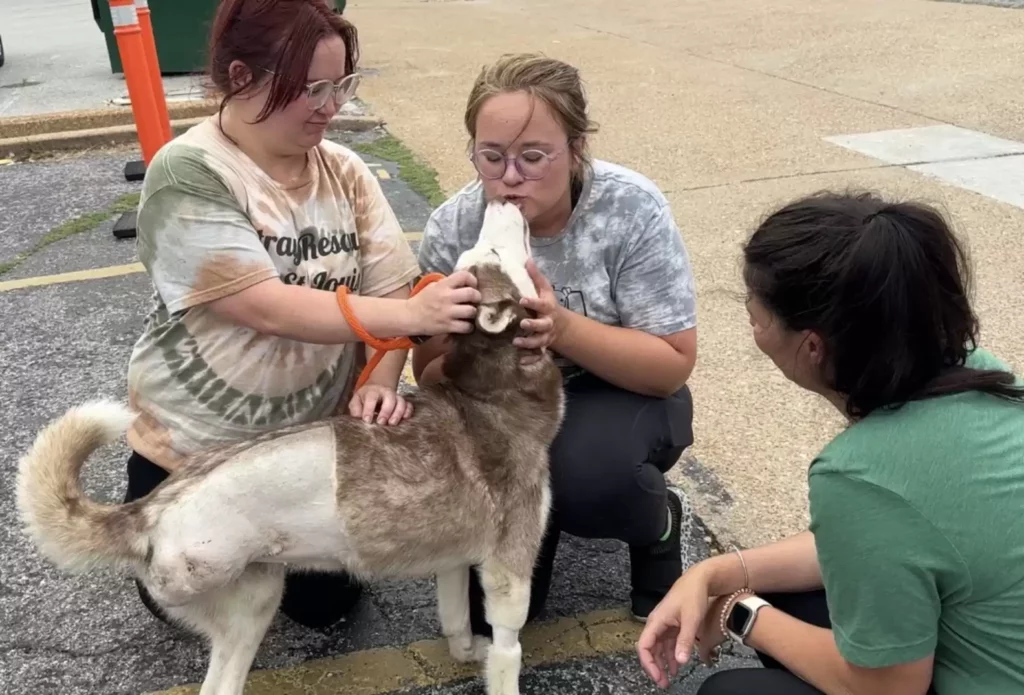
[885, 285]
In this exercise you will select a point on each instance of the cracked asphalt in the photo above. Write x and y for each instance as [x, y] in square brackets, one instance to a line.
[62, 344]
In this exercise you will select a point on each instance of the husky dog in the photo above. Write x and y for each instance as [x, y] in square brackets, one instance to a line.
[462, 483]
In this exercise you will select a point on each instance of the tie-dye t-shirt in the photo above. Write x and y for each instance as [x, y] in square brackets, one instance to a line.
[212, 223]
[620, 259]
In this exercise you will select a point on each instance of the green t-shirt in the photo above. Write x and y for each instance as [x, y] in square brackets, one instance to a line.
[917, 518]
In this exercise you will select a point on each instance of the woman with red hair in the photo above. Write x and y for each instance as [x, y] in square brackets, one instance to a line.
[247, 225]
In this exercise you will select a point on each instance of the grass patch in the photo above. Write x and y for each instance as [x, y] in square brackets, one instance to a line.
[419, 176]
[76, 225]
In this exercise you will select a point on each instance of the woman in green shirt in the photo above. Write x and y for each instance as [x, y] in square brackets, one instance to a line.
[910, 579]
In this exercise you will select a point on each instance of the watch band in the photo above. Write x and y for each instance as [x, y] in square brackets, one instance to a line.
[753, 604]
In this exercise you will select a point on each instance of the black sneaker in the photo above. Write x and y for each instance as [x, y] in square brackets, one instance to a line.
[655, 568]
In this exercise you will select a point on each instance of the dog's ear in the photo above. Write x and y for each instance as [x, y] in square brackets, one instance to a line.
[495, 318]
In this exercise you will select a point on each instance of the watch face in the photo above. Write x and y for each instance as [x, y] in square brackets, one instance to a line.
[738, 617]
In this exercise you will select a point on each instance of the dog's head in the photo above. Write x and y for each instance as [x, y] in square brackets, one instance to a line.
[498, 260]
[504, 242]
[486, 358]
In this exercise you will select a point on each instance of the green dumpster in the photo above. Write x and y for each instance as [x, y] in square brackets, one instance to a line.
[181, 29]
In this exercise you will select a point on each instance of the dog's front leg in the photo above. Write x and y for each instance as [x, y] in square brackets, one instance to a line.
[453, 610]
[507, 603]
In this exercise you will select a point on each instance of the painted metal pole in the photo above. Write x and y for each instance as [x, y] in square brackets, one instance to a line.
[132, 49]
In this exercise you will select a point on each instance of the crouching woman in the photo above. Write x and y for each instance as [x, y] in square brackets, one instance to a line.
[910, 579]
[616, 307]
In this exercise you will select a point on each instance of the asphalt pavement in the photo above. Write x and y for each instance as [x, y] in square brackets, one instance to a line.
[62, 343]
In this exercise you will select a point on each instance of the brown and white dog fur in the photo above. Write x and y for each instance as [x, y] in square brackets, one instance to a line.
[463, 482]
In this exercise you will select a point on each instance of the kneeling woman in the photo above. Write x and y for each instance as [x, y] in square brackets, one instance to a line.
[911, 577]
[617, 308]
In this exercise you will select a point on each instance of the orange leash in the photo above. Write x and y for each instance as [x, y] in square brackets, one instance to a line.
[381, 346]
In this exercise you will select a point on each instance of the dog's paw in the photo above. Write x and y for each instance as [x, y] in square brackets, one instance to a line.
[502, 674]
[474, 650]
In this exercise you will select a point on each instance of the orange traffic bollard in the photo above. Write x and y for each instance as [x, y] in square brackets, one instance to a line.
[132, 50]
[146, 24]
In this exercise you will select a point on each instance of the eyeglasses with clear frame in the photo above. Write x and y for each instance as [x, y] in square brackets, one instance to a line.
[531, 164]
[318, 92]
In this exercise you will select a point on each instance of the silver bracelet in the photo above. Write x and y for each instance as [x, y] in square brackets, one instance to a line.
[743, 563]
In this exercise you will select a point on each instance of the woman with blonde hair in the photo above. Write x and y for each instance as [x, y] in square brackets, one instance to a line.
[616, 307]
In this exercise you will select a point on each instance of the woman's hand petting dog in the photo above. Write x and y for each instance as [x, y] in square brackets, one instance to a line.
[542, 329]
[393, 408]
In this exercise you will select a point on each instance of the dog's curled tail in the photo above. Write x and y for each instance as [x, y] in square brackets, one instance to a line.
[71, 530]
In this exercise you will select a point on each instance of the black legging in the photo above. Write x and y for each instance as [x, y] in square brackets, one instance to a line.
[774, 679]
[607, 474]
[313, 599]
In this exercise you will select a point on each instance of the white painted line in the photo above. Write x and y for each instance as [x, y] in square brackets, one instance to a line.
[1001, 178]
[927, 144]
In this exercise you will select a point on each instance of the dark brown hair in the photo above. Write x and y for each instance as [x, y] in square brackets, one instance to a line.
[885, 285]
[274, 36]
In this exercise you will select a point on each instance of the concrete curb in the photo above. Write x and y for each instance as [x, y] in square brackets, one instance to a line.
[90, 119]
[89, 136]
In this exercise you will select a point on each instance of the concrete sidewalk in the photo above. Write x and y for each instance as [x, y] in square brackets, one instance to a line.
[56, 60]
[726, 104]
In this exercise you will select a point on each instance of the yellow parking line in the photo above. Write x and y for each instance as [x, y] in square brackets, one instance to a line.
[427, 663]
[75, 276]
[383, 174]
[99, 273]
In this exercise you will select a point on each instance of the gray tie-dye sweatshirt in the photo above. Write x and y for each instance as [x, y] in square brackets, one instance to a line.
[620, 259]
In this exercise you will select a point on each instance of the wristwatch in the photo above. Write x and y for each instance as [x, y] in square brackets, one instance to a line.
[741, 617]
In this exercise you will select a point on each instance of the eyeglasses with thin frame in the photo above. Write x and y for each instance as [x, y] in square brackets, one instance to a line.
[318, 92]
[531, 164]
